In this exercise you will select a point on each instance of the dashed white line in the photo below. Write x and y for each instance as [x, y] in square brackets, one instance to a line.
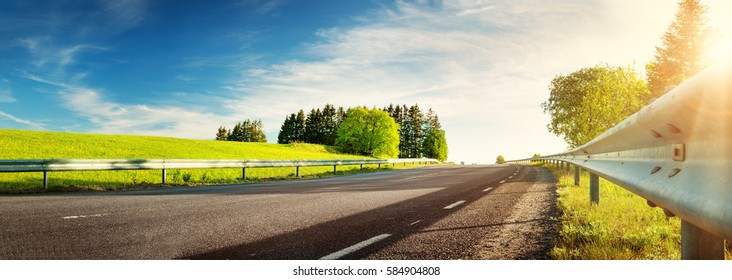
[354, 248]
[488, 189]
[501, 182]
[415, 222]
[454, 204]
[81, 216]
[510, 177]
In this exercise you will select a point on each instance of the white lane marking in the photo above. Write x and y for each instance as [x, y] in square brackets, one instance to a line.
[488, 189]
[354, 248]
[510, 177]
[82, 216]
[501, 182]
[415, 222]
[454, 204]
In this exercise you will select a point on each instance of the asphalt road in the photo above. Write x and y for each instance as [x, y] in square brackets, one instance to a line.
[429, 213]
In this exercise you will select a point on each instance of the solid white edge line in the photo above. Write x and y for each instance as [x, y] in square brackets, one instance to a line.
[354, 248]
[488, 189]
[454, 204]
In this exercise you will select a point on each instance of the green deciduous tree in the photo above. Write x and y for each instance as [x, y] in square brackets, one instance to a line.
[500, 159]
[682, 50]
[588, 102]
[222, 134]
[246, 131]
[368, 132]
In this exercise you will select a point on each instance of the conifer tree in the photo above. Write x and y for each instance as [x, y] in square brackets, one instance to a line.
[682, 49]
[299, 127]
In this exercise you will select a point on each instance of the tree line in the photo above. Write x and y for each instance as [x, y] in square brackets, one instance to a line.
[395, 131]
[318, 127]
[246, 131]
[587, 102]
[420, 135]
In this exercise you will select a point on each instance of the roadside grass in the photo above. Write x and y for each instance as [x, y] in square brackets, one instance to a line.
[621, 227]
[20, 144]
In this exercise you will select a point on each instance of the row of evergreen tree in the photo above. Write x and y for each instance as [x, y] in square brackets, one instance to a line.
[415, 127]
[246, 131]
[321, 127]
[318, 127]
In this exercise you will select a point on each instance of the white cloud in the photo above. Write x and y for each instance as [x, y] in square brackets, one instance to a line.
[484, 66]
[54, 59]
[27, 123]
[111, 117]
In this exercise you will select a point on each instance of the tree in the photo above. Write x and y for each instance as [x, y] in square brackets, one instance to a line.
[589, 101]
[414, 121]
[313, 126]
[237, 133]
[500, 160]
[299, 127]
[435, 145]
[329, 122]
[246, 131]
[287, 131]
[222, 134]
[682, 50]
[368, 132]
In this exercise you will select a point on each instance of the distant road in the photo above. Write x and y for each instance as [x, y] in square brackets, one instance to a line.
[455, 212]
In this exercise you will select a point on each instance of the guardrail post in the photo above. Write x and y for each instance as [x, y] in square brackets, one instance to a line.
[594, 188]
[698, 244]
[567, 165]
[361, 166]
[379, 165]
[297, 171]
[576, 175]
[45, 180]
[164, 175]
[243, 173]
[334, 169]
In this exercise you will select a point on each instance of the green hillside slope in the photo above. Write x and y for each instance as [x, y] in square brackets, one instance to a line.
[20, 144]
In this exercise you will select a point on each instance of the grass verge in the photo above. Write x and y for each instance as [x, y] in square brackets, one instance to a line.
[21, 144]
[621, 227]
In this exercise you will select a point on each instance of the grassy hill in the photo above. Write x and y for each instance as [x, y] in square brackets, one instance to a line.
[21, 144]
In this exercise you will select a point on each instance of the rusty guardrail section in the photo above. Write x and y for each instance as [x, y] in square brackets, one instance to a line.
[55, 165]
[676, 153]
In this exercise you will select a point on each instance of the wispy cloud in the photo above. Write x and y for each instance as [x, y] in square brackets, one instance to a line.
[112, 117]
[52, 59]
[27, 123]
[484, 66]
[6, 93]
[263, 7]
[122, 15]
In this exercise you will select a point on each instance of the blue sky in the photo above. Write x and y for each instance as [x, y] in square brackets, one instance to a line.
[183, 68]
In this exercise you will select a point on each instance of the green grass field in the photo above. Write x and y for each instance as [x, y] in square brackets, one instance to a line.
[20, 144]
[621, 227]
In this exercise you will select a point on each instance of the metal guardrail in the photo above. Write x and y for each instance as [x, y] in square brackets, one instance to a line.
[677, 154]
[55, 165]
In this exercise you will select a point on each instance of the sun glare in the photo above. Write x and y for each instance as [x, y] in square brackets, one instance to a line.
[721, 52]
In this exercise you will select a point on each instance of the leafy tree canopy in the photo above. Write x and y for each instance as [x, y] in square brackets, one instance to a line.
[590, 101]
[369, 132]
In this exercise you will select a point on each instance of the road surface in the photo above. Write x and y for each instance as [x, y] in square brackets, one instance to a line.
[453, 212]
